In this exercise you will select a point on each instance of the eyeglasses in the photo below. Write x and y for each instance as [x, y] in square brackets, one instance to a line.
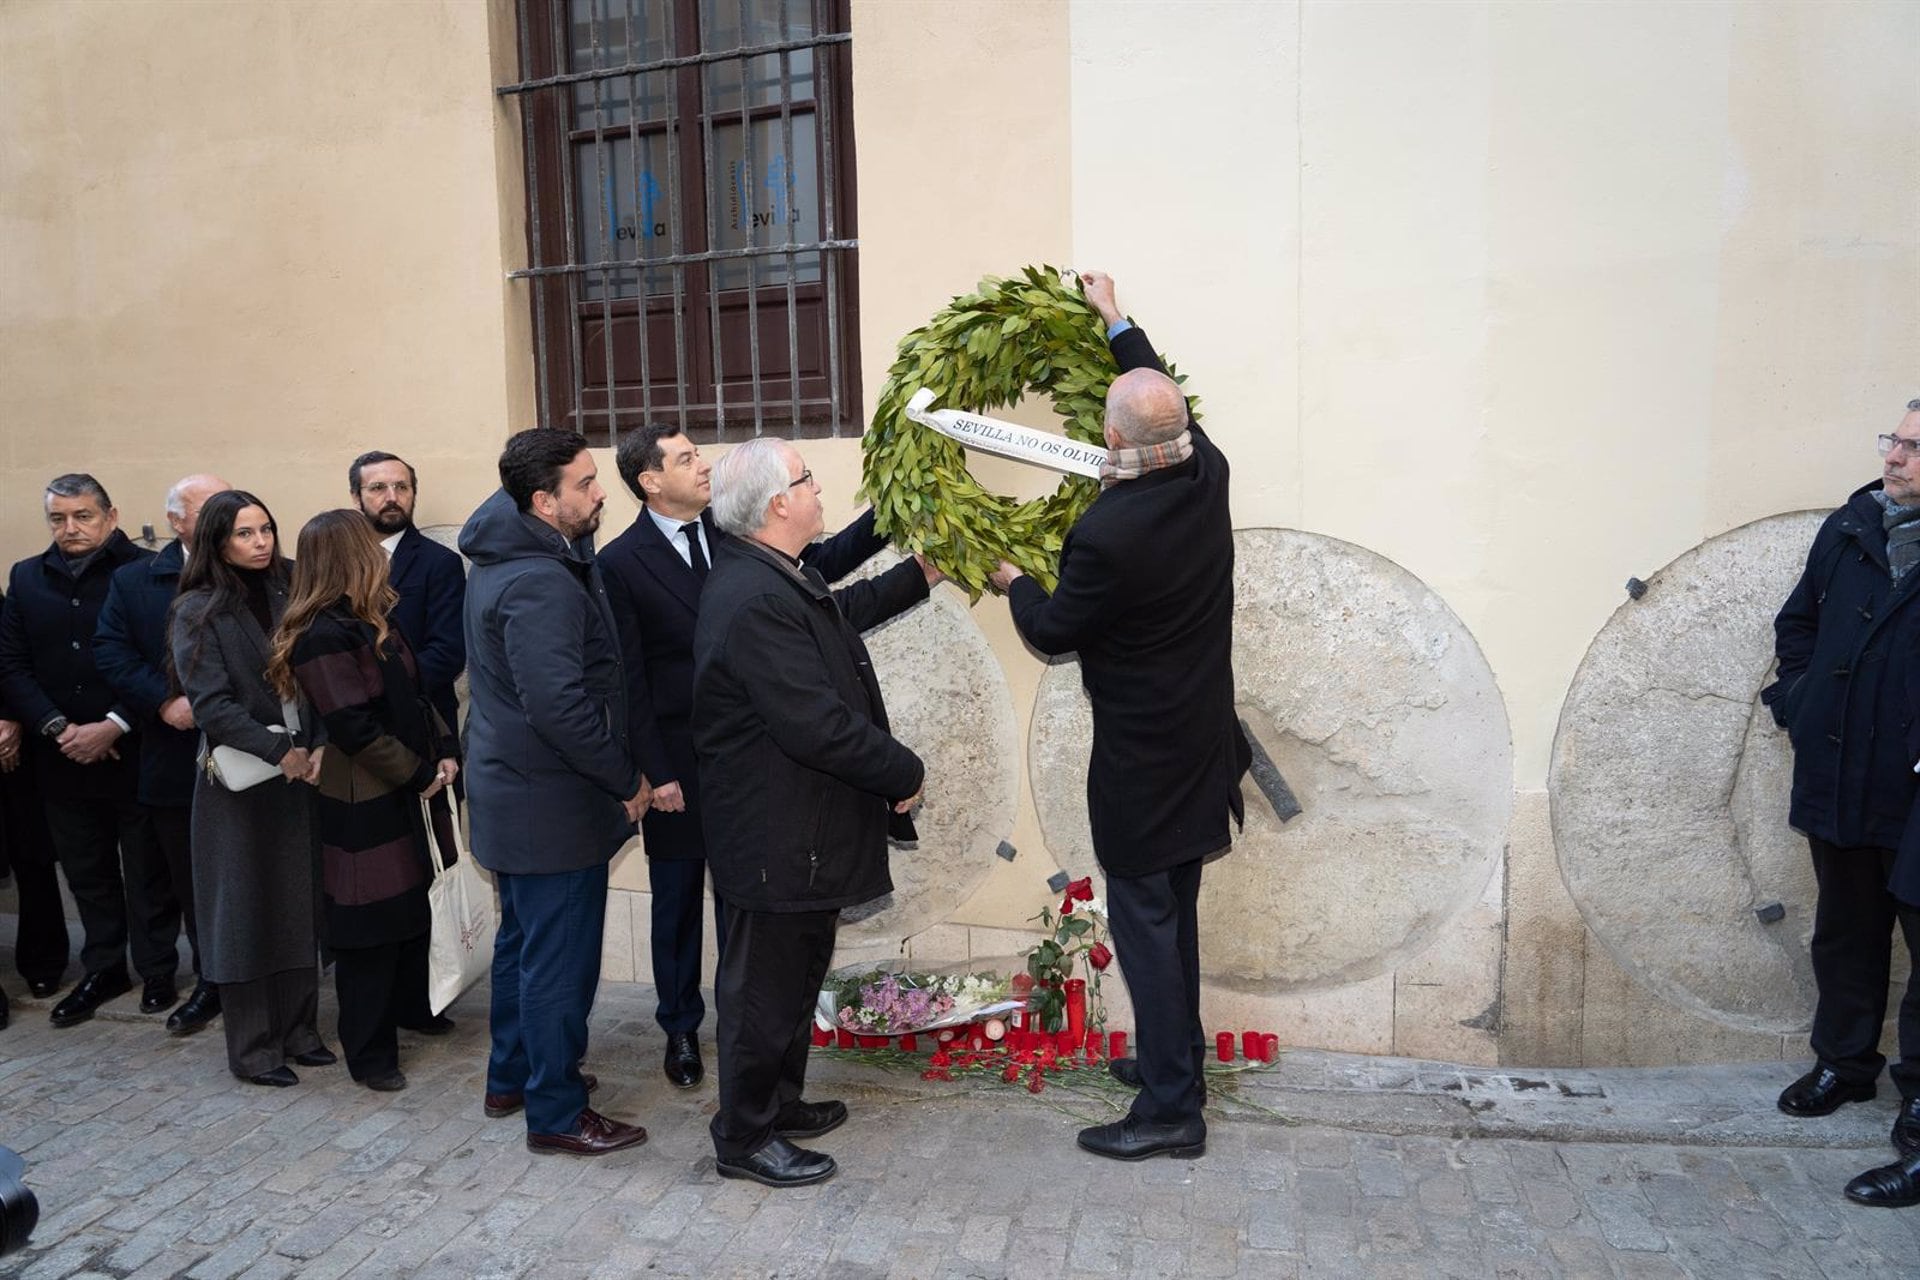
[1890, 443]
[807, 475]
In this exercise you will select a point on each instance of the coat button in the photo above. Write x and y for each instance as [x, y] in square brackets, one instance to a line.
[76, 602]
[1834, 738]
[1842, 672]
[76, 644]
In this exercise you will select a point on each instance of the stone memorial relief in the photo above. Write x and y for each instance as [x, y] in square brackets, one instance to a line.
[1383, 777]
[947, 699]
[1670, 785]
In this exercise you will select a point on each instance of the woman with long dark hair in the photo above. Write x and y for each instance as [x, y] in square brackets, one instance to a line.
[387, 748]
[254, 859]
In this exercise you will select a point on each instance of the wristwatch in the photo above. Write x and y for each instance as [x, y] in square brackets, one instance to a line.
[54, 727]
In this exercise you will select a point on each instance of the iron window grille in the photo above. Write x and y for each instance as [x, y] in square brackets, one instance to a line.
[691, 233]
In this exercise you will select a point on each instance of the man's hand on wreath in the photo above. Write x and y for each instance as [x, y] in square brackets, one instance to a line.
[1002, 578]
[934, 576]
[1098, 286]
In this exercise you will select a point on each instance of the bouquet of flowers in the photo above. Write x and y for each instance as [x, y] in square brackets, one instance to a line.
[1077, 930]
[884, 1002]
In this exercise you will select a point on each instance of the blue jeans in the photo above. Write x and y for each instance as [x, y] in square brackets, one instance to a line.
[546, 964]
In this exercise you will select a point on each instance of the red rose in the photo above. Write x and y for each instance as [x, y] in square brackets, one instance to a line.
[1066, 906]
[1099, 956]
[1021, 984]
[1081, 890]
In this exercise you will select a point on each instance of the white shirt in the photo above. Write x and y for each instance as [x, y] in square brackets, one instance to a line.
[678, 540]
[389, 544]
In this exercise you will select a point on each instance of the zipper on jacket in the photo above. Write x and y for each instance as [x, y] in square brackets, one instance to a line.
[813, 867]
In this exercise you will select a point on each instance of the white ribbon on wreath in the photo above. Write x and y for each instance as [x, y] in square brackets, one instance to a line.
[1008, 439]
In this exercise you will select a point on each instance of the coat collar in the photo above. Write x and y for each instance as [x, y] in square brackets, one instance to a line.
[118, 549]
[802, 577]
[169, 564]
[662, 559]
[406, 549]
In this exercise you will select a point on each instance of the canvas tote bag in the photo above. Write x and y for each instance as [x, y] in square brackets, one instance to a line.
[464, 915]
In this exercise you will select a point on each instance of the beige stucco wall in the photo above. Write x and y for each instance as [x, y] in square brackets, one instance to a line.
[1524, 297]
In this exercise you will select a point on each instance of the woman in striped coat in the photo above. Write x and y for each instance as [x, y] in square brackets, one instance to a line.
[387, 749]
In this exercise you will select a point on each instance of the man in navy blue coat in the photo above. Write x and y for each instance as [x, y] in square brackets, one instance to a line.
[554, 792]
[76, 728]
[431, 581]
[130, 649]
[1845, 639]
[655, 572]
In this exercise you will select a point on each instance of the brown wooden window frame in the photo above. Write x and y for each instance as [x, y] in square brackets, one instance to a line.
[726, 363]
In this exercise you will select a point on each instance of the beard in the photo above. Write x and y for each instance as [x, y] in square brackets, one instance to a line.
[389, 519]
[578, 529]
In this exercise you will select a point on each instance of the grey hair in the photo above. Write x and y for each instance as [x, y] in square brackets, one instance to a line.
[177, 496]
[745, 480]
[1145, 406]
[78, 484]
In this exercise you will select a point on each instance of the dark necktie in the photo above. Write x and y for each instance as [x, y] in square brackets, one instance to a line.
[695, 557]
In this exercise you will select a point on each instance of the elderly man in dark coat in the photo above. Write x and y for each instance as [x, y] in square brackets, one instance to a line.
[86, 767]
[1146, 598]
[1844, 640]
[554, 792]
[801, 782]
[655, 572]
[130, 648]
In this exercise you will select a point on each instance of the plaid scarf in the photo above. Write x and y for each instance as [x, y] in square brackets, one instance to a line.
[1903, 534]
[1132, 463]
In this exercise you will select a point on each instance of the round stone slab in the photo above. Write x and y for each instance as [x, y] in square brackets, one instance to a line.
[1382, 724]
[947, 699]
[1670, 783]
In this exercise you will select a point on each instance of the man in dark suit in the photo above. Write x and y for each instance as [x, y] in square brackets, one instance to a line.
[130, 649]
[654, 573]
[1145, 597]
[555, 792]
[76, 728]
[431, 581]
[41, 946]
[1843, 640]
[803, 784]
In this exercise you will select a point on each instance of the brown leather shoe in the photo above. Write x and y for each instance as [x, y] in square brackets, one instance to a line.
[497, 1105]
[592, 1135]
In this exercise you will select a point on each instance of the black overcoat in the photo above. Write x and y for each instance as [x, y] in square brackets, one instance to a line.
[656, 599]
[432, 584]
[130, 648]
[1145, 597]
[545, 741]
[47, 666]
[797, 767]
[1845, 639]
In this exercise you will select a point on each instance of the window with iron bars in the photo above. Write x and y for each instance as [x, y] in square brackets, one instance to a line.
[691, 229]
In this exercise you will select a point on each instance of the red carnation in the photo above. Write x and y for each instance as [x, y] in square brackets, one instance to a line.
[1081, 890]
[1036, 1082]
[1012, 1073]
[1099, 956]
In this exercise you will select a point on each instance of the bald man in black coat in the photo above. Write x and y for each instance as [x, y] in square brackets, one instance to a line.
[1145, 597]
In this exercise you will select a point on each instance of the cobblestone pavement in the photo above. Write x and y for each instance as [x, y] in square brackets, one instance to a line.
[150, 1161]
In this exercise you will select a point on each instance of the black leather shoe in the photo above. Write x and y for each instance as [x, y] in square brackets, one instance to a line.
[279, 1078]
[387, 1081]
[321, 1057]
[1136, 1139]
[779, 1164]
[1821, 1093]
[1906, 1128]
[438, 1025]
[157, 994]
[41, 988]
[202, 1007]
[809, 1119]
[1127, 1072]
[94, 990]
[1891, 1186]
[684, 1069]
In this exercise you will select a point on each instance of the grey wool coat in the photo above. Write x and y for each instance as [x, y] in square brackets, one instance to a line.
[256, 852]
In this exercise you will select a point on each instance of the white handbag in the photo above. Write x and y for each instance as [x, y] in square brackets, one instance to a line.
[238, 770]
[464, 915]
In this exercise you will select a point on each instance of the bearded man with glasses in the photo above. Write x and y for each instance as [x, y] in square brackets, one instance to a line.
[1847, 640]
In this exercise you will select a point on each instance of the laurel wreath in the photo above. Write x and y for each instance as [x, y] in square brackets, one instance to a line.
[985, 351]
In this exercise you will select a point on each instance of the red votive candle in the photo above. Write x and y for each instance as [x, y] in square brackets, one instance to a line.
[1119, 1042]
[1096, 1044]
[843, 1038]
[1076, 1010]
[909, 1044]
[1223, 1046]
[821, 1036]
[1269, 1047]
[976, 1039]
